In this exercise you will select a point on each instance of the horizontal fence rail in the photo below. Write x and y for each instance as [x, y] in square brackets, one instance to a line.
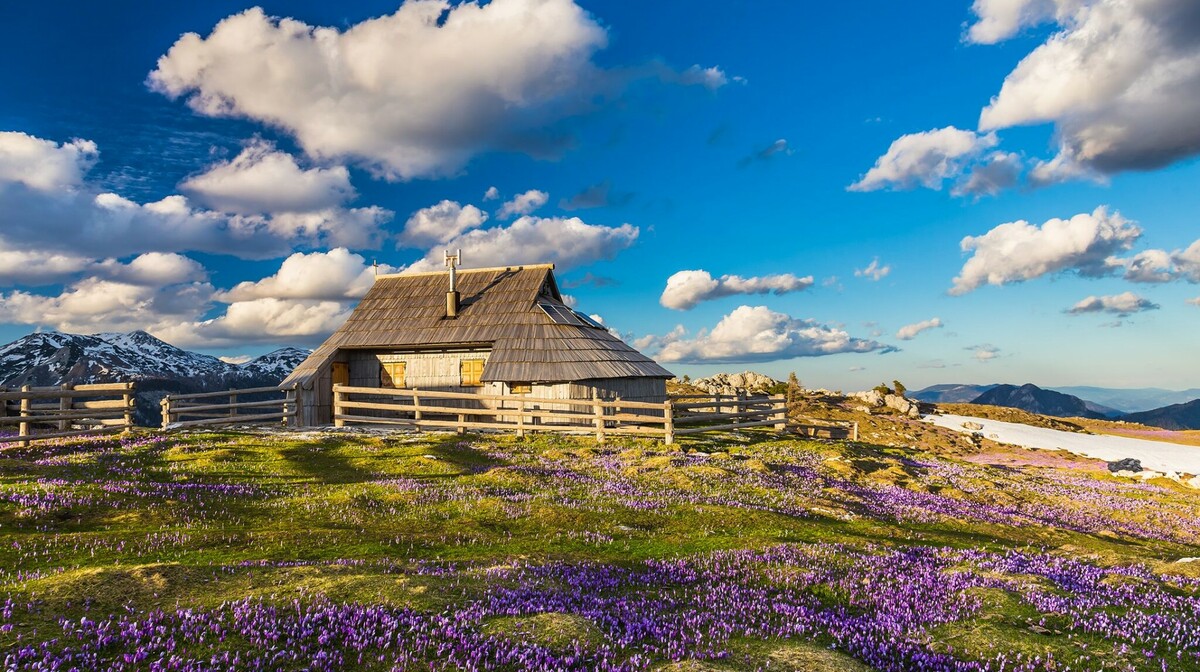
[827, 429]
[204, 409]
[429, 409]
[65, 411]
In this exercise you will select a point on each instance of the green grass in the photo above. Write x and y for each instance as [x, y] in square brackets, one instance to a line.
[355, 515]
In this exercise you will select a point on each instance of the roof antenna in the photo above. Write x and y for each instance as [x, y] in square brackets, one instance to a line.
[452, 262]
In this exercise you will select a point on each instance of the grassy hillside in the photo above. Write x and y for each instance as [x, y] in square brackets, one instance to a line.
[343, 551]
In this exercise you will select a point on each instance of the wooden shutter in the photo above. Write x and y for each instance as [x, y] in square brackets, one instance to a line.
[340, 373]
[472, 372]
[391, 374]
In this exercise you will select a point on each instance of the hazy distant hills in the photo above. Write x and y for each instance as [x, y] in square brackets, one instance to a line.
[1132, 400]
[1060, 402]
[950, 394]
[158, 368]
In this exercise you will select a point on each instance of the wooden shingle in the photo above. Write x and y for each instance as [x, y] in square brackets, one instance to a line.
[498, 308]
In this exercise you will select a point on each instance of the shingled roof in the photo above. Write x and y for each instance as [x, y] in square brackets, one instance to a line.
[499, 308]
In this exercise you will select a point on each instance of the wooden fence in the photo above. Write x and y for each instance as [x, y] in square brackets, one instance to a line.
[65, 411]
[203, 409]
[827, 429]
[427, 409]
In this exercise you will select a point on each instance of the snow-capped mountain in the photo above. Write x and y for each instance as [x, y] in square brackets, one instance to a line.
[276, 364]
[159, 368]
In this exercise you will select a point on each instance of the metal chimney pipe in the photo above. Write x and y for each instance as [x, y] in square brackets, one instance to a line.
[452, 296]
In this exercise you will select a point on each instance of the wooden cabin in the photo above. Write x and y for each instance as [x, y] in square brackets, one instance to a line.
[484, 331]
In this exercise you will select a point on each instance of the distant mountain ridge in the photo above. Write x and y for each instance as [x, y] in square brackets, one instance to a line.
[1034, 399]
[1175, 416]
[159, 368]
[1055, 402]
[950, 393]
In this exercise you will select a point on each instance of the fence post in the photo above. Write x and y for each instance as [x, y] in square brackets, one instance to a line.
[3, 403]
[232, 401]
[854, 432]
[781, 412]
[337, 406]
[166, 411]
[462, 417]
[127, 398]
[718, 398]
[521, 417]
[23, 428]
[598, 413]
[64, 404]
[669, 425]
[289, 406]
[417, 402]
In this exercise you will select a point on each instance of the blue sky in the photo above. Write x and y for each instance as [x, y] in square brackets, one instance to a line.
[645, 141]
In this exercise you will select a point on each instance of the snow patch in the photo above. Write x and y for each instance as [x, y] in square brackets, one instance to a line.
[1155, 455]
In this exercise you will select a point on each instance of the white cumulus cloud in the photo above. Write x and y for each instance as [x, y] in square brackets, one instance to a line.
[1018, 251]
[262, 179]
[984, 353]
[44, 165]
[911, 331]
[686, 289]
[925, 159]
[62, 212]
[34, 268]
[152, 269]
[97, 304]
[1151, 266]
[998, 20]
[37, 267]
[169, 296]
[1123, 305]
[999, 171]
[336, 275]
[1119, 79]
[414, 93]
[266, 320]
[711, 78]
[758, 334]
[523, 204]
[874, 271]
[440, 223]
[565, 241]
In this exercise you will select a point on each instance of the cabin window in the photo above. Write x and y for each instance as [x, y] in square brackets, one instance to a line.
[391, 374]
[472, 372]
[520, 388]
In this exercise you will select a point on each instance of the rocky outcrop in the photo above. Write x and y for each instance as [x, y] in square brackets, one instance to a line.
[903, 405]
[899, 403]
[732, 383]
[1127, 464]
